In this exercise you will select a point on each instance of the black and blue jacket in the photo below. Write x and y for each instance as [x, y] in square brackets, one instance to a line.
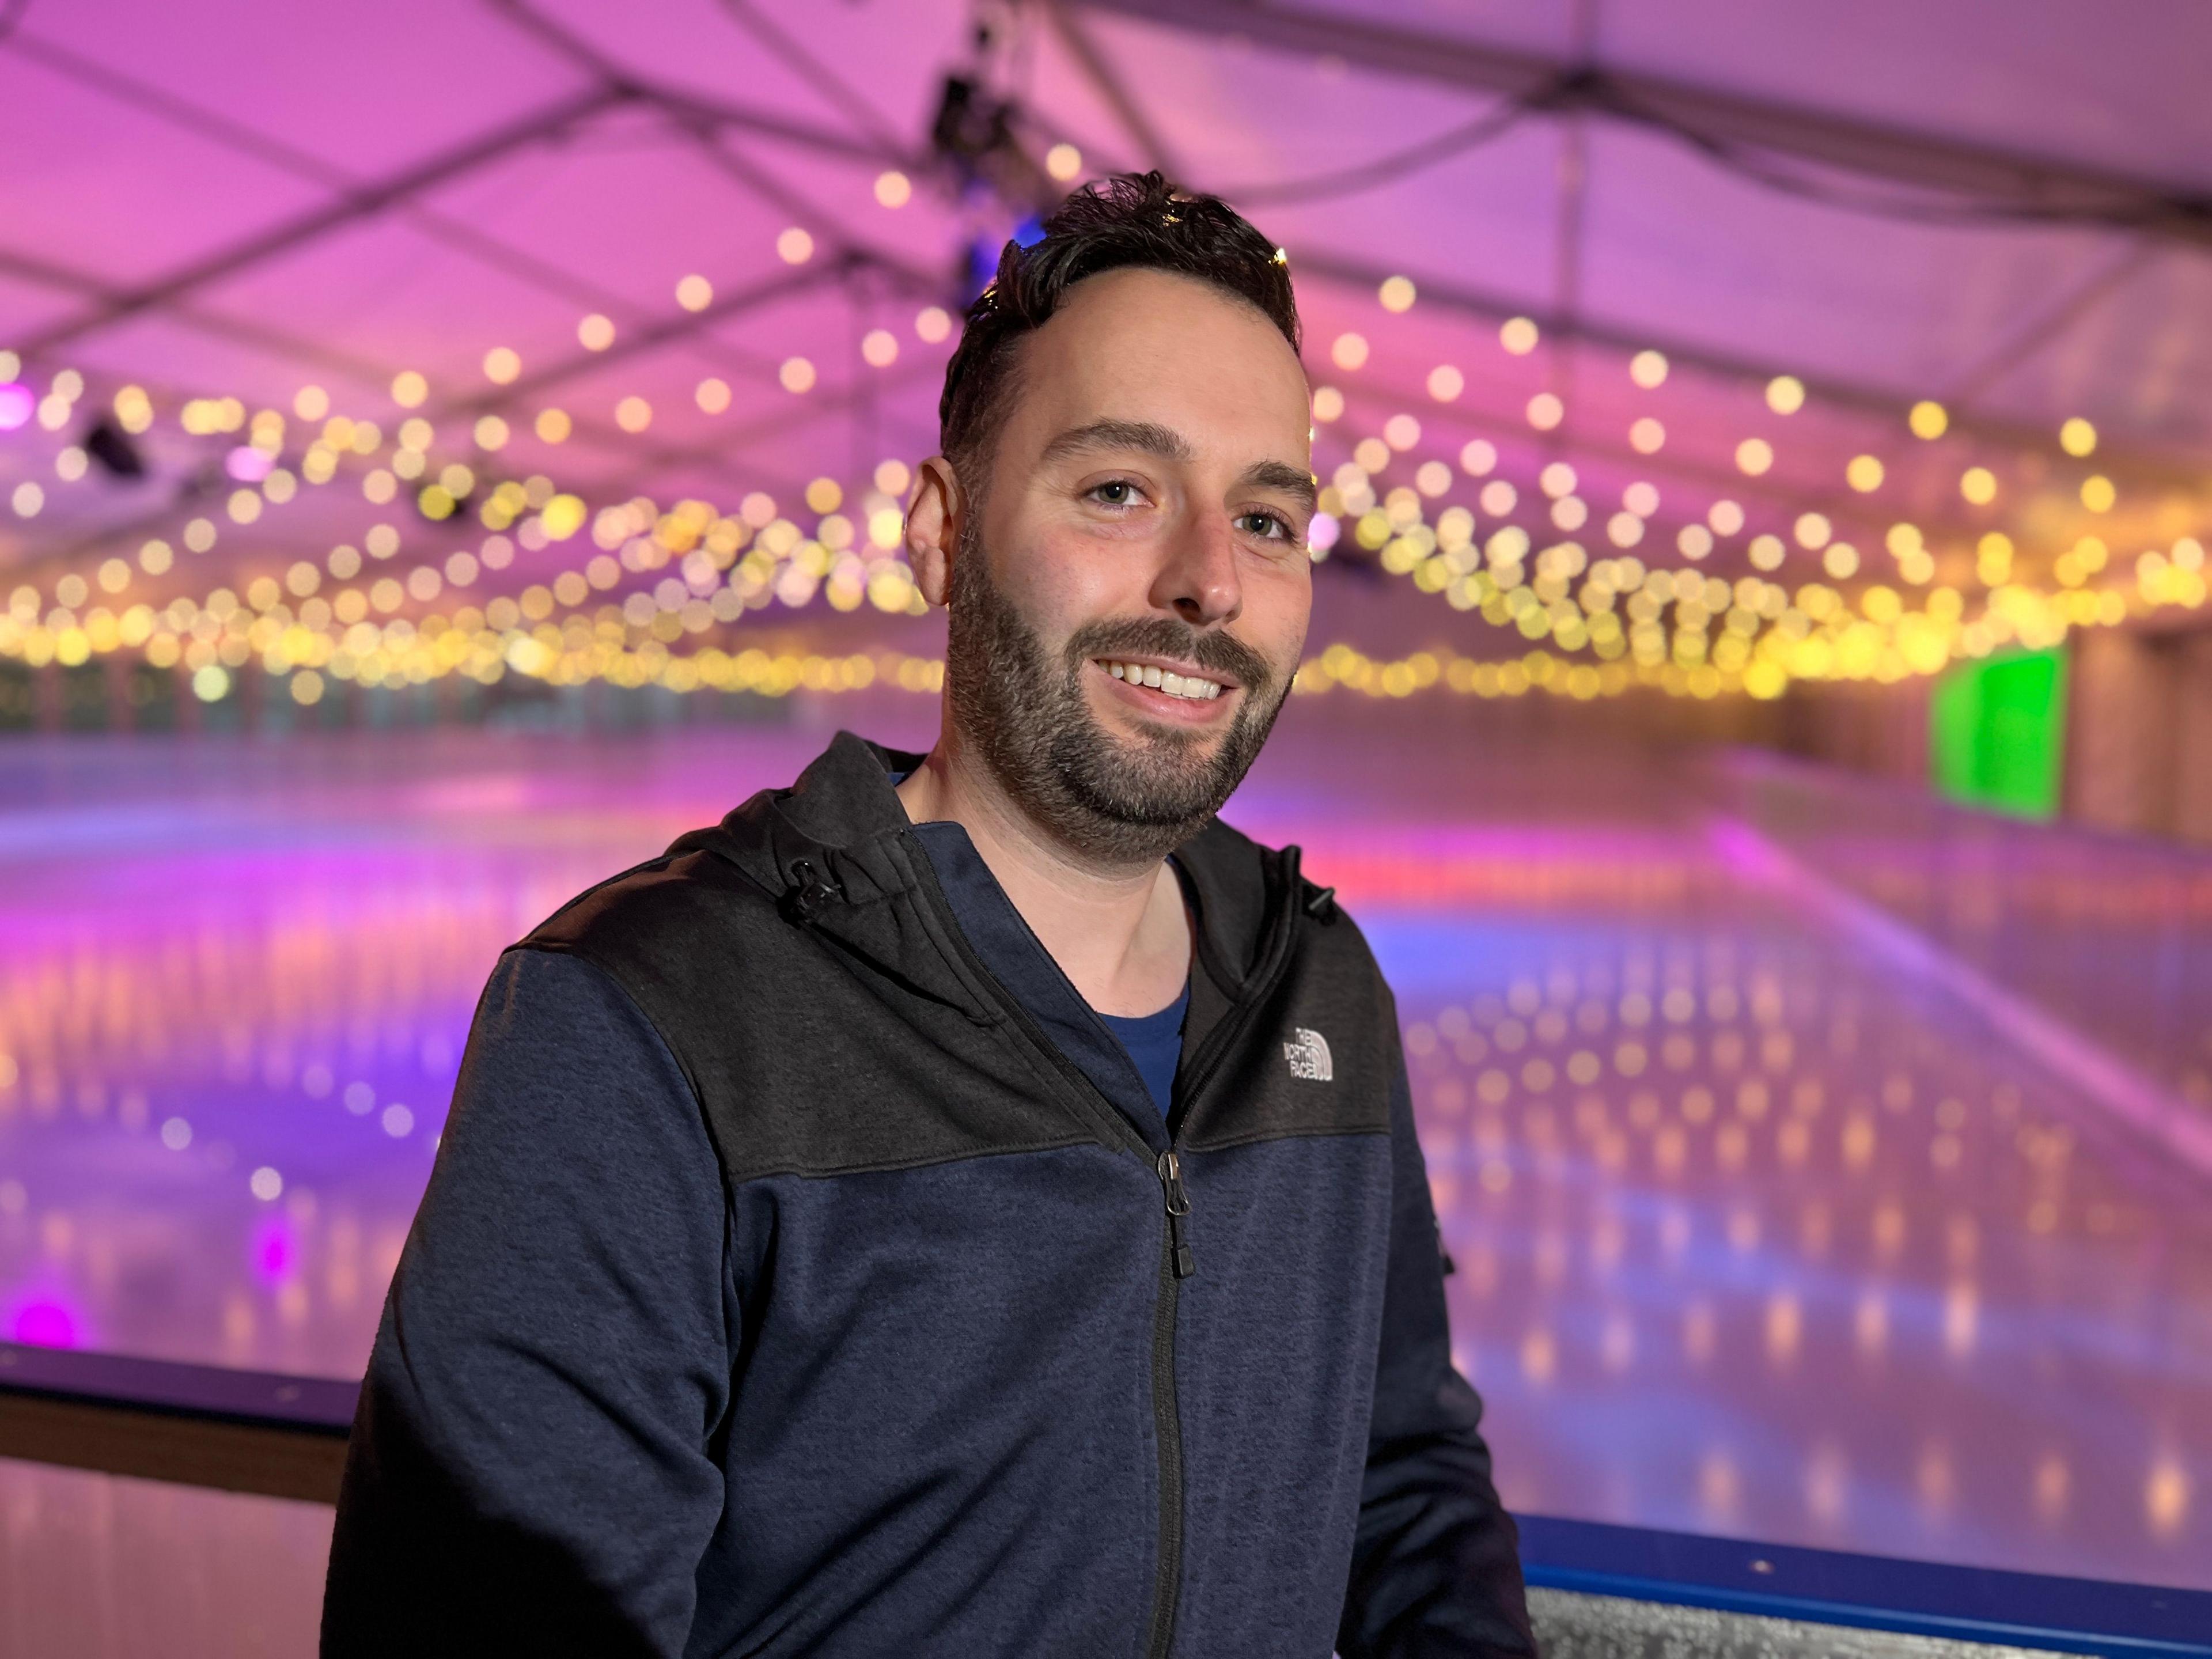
[807, 1270]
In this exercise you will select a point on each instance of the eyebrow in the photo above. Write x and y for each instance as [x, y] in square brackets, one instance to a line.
[1153, 438]
[1293, 481]
[1147, 435]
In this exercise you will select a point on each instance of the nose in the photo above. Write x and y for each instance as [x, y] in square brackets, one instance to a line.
[1197, 579]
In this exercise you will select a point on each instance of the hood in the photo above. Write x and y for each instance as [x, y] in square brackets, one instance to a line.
[835, 843]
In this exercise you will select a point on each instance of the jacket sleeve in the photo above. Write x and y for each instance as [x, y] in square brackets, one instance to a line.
[529, 1469]
[1436, 1564]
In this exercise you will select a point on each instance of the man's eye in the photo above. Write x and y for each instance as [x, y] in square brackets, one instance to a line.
[1115, 492]
[1264, 524]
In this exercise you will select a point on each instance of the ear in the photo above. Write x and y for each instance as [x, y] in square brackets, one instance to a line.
[932, 528]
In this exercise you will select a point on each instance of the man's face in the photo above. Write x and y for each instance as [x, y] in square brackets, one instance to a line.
[1128, 606]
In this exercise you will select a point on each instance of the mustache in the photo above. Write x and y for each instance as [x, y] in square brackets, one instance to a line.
[1162, 636]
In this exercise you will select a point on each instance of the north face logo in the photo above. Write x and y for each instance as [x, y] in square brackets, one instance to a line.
[1308, 1056]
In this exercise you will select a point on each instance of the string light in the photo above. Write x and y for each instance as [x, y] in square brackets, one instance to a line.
[1762, 648]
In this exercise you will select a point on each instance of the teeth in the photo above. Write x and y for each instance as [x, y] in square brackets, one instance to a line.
[1187, 686]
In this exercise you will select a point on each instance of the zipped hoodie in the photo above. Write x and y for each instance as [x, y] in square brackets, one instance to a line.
[807, 1270]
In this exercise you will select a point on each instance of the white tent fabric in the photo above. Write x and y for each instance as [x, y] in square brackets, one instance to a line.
[2004, 209]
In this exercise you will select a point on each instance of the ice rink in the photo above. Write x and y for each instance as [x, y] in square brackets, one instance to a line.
[1818, 1165]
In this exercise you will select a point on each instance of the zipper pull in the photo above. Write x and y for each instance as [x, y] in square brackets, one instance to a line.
[1170, 1167]
[808, 893]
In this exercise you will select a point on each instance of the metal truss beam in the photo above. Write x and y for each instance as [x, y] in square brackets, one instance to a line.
[193, 490]
[2035, 186]
[1873, 400]
[217, 127]
[860, 113]
[697, 106]
[362, 202]
[654, 463]
[1111, 88]
[1788, 497]
[668, 331]
[44, 273]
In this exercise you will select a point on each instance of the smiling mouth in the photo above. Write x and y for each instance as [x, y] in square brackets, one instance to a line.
[1174, 682]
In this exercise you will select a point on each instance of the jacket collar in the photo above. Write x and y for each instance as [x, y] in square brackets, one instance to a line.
[844, 823]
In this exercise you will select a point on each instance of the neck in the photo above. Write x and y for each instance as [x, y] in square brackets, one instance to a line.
[1119, 932]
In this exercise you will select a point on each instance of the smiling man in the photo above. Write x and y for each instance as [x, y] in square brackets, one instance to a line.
[965, 1204]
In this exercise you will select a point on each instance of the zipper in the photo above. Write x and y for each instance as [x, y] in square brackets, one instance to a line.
[1167, 1415]
[1178, 1202]
[1177, 1261]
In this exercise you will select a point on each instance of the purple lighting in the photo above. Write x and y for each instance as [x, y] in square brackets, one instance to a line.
[433, 478]
[1738, 1177]
[275, 1251]
[248, 464]
[44, 1321]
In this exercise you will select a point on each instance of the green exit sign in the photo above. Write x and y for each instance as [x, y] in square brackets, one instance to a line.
[1996, 732]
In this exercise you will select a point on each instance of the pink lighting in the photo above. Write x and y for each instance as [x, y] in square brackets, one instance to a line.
[275, 1251]
[1745, 454]
[44, 1323]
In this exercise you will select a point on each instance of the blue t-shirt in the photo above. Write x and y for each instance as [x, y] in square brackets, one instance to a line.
[1152, 1041]
[1155, 1044]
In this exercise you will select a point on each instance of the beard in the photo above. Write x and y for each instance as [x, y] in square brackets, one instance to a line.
[1114, 799]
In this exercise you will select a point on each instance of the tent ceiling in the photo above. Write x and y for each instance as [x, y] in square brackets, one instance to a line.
[2003, 207]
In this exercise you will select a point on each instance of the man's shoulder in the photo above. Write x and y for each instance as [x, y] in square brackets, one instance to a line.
[1243, 879]
[676, 902]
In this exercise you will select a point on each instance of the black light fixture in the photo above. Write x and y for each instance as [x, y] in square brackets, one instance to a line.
[108, 444]
[971, 126]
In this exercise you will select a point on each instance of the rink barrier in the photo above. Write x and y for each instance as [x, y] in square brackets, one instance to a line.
[197, 1425]
[1983, 1605]
[273, 1436]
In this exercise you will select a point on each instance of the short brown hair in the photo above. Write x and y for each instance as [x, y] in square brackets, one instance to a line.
[1126, 219]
